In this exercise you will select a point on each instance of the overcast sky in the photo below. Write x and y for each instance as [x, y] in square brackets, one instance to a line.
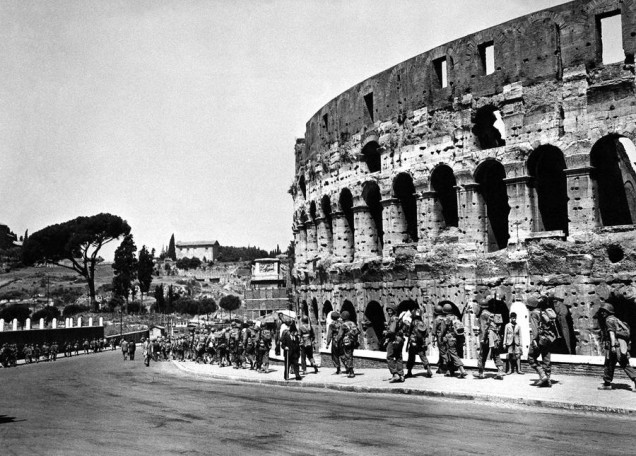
[181, 116]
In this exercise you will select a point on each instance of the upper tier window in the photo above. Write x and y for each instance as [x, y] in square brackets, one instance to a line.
[487, 55]
[610, 33]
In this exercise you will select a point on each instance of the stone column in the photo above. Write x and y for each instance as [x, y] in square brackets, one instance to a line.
[472, 215]
[27, 324]
[301, 247]
[90, 321]
[430, 215]
[79, 322]
[394, 225]
[15, 324]
[583, 210]
[324, 237]
[101, 321]
[312, 241]
[521, 202]
[342, 238]
[70, 322]
[54, 323]
[1, 324]
[366, 239]
[41, 323]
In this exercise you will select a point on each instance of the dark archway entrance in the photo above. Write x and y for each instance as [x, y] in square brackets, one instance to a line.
[326, 308]
[404, 191]
[374, 315]
[547, 165]
[304, 308]
[302, 186]
[408, 304]
[346, 205]
[612, 171]
[325, 204]
[443, 182]
[372, 156]
[371, 196]
[314, 309]
[348, 306]
[486, 127]
[490, 177]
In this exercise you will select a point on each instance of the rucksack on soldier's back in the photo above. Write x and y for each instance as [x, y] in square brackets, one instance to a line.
[549, 329]
[622, 330]
[352, 336]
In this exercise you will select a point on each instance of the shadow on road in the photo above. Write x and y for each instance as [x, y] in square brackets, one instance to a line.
[8, 419]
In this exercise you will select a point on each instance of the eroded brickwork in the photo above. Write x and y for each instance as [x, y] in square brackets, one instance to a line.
[516, 181]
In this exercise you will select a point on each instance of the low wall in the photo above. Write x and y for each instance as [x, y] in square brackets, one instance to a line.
[40, 336]
[134, 336]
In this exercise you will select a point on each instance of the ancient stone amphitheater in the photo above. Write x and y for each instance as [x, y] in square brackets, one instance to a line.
[501, 162]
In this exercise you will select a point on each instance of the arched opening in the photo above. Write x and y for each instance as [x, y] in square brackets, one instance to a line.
[489, 127]
[314, 309]
[325, 204]
[490, 177]
[456, 311]
[372, 198]
[348, 306]
[304, 308]
[615, 177]
[407, 305]
[303, 186]
[443, 182]
[312, 211]
[404, 191]
[374, 326]
[547, 165]
[346, 205]
[326, 308]
[372, 156]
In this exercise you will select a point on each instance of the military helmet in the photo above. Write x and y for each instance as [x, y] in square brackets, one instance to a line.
[416, 314]
[438, 309]
[345, 315]
[391, 307]
[335, 315]
[305, 319]
[448, 308]
[607, 307]
[532, 302]
[484, 303]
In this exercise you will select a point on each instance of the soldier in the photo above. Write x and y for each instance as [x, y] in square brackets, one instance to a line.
[36, 353]
[45, 351]
[234, 342]
[438, 327]
[489, 339]
[264, 344]
[453, 329]
[542, 334]
[394, 342]
[348, 337]
[124, 348]
[332, 339]
[307, 338]
[146, 348]
[249, 347]
[513, 344]
[54, 350]
[417, 344]
[28, 354]
[76, 346]
[86, 346]
[616, 341]
[131, 350]
[290, 342]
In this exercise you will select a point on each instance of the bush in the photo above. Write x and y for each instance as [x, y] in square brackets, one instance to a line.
[136, 307]
[74, 309]
[48, 313]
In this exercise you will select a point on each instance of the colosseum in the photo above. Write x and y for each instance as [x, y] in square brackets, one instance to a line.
[500, 163]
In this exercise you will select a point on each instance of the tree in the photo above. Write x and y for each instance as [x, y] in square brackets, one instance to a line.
[230, 303]
[77, 242]
[48, 313]
[172, 251]
[74, 309]
[125, 267]
[144, 270]
[18, 311]
[160, 301]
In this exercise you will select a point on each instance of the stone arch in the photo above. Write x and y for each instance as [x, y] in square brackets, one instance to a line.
[372, 153]
[404, 191]
[303, 186]
[613, 169]
[456, 310]
[314, 309]
[443, 182]
[372, 197]
[489, 128]
[490, 176]
[546, 165]
[312, 211]
[375, 321]
[304, 308]
[349, 307]
[326, 308]
[407, 304]
[325, 206]
[346, 206]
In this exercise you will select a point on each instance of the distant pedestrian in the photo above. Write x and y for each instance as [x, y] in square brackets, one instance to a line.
[438, 326]
[131, 350]
[616, 341]
[543, 333]
[290, 343]
[394, 343]
[514, 345]
[124, 348]
[332, 339]
[453, 332]
[146, 349]
[489, 337]
[307, 338]
[417, 344]
[349, 339]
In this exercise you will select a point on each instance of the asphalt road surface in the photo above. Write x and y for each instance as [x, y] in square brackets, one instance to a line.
[98, 404]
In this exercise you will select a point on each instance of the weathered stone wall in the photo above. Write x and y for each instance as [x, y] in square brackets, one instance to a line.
[512, 182]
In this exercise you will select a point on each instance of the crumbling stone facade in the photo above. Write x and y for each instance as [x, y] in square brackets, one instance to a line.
[501, 162]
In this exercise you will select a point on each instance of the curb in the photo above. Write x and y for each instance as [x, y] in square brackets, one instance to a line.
[477, 397]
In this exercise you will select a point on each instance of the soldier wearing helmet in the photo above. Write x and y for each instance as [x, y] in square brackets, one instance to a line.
[394, 343]
[332, 339]
[438, 328]
[542, 334]
[489, 337]
[348, 338]
[417, 344]
[307, 338]
[453, 331]
[616, 337]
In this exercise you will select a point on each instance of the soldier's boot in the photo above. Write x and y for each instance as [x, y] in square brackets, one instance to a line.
[509, 366]
[429, 372]
[519, 371]
[605, 386]
[351, 373]
[544, 380]
[316, 369]
[462, 372]
[337, 370]
[395, 379]
[409, 374]
[500, 374]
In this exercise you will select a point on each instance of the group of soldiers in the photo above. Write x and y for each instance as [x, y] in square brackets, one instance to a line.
[48, 351]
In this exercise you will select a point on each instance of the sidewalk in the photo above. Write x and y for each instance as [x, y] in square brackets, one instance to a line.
[570, 392]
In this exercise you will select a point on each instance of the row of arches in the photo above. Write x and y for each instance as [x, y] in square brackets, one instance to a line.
[612, 158]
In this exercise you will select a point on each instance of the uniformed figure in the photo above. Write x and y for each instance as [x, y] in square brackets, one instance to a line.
[124, 348]
[417, 344]
[542, 335]
[146, 350]
[489, 338]
[131, 350]
[348, 338]
[28, 354]
[616, 342]
[249, 344]
[37, 353]
[86, 346]
[45, 351]
[452, 331]
[264, 344]
[290, 343]
[234, 345]
[332, 339]
[513, 344]
[54, 350]
[394, 338]
[307, 338]
[438, 326]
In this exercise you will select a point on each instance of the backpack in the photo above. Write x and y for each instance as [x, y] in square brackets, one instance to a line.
[265, 338]
[548, 329]
[622, 330]
[351, 337]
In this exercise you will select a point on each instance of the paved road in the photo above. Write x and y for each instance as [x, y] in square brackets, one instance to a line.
[98, 404]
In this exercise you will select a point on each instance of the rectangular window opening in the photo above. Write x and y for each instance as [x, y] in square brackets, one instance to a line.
[325, 120]
[610, 32]
[441, 69]
[368, 100]
[487, 55]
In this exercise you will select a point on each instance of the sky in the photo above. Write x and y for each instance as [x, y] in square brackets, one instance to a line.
[180, 116]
